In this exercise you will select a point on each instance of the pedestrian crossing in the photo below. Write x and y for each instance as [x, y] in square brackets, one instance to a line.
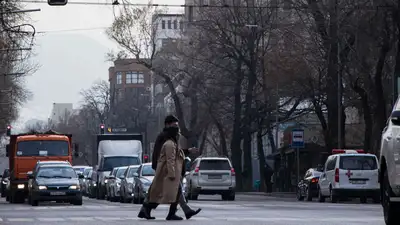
[197, 218]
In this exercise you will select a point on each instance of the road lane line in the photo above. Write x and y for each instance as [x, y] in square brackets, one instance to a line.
[81, 218]
[44, 219]
[21, 219]
[109, 218]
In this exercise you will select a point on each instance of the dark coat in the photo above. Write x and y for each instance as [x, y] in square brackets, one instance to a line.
[160, 140]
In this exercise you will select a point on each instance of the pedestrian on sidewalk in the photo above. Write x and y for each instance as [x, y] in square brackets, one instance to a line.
[171, 125]
[268, 172]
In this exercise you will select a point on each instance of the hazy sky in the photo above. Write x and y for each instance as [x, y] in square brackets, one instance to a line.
[70, 47]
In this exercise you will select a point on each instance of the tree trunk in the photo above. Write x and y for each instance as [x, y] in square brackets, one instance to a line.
[236, 131]
[261, 158]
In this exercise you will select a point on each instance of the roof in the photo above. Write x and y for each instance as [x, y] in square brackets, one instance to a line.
[147, 164]
[133, 166]
[121, 167]
[53, 162]
[56, 165]
[80, 166]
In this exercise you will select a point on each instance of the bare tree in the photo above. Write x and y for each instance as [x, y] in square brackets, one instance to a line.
[97, 98]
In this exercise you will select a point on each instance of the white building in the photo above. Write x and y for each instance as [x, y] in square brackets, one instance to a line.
[168, 28]
[60, 112]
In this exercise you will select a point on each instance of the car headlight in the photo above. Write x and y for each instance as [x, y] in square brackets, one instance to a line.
[74, 187]
[94, 185]
[4, 182]
[105, 181]
[184, 181]
[118, 184]
[42, 187]
[21, 186]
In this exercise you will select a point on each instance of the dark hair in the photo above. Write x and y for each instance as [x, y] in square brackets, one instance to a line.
[170, 119]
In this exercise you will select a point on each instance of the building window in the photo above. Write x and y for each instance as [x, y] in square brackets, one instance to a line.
[119, 78]
[181, 24]
[163, 24]
[169, 24]
[175, 24]
[129, 78]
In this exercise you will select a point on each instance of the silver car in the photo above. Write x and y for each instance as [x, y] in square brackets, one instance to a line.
[127, 184]
[115, 183]
[143, 179]
[211, 176]
[85, 181]
[108, 181]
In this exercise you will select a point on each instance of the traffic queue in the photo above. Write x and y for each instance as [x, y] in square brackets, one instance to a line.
[130, 184]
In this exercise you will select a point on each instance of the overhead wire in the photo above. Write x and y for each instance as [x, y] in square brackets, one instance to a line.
[208, 6]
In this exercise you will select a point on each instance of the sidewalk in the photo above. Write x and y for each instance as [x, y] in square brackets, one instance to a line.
[273, 194]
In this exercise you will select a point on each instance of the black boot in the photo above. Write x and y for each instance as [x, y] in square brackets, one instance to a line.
[192, 213]
[172, 213]
[145, 213]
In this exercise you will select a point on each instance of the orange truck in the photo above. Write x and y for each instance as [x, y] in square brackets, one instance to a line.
[25, 150]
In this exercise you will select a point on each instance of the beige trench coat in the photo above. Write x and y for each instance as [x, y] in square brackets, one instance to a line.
[164, 190]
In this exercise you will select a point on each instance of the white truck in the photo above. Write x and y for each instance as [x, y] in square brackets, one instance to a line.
[116, 150]
[389, 168]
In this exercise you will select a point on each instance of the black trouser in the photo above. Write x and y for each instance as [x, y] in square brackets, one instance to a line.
[181, 200]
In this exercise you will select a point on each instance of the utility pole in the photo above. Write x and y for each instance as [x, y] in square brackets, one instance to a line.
[339, 77]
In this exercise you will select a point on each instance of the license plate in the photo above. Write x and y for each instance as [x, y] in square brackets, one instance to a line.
[214, 176]
[357, 181]
[57, 193]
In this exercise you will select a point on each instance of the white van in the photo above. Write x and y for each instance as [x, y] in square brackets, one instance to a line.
[349, 174]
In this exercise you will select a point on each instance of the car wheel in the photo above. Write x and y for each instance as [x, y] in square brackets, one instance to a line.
[320, 197]
[391, 210]
[333, 197]
[34, 202]
[308, 194]
[77, 202]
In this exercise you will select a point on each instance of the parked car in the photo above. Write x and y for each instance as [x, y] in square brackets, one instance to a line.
[308, 186]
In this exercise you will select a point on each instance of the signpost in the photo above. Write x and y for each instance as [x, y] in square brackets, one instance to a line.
[297, 142]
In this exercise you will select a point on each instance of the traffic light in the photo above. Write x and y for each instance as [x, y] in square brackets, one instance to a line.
[146, 158]
[57, 2]
[101, 128]
[8, 133]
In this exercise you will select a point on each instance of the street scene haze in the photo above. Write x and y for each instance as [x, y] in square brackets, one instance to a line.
[275, 112]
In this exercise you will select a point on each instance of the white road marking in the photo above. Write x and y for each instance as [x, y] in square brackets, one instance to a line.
[21, 219]
[81, 218]
[50, 219]
[109, 218]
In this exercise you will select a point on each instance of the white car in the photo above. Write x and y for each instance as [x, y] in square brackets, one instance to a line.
[389, 167]
[211, 176]
[349, 174]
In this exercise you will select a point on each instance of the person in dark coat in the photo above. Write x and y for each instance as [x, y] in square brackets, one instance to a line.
[170, 122]
[268, 172]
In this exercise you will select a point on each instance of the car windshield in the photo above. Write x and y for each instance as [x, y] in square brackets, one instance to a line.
[6, 173]
[42, 148]
[147, 171]
[132, 171]
[56, 172]
[214, 164]
[121, 172]
[79, 169]
[111, 162]
[358, 163]
[87, 171]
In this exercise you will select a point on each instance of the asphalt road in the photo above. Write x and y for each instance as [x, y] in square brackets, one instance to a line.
[246, 209]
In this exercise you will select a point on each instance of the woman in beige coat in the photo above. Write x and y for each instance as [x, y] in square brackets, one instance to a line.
[166, 182]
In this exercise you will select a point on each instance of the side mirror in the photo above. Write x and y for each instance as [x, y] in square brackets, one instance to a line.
[76, 150]
[30, 174]
[395, 117]
[89, 178]
[122, 177]
[135, 174]
[80, 176]
[7, 150]
[187, 173]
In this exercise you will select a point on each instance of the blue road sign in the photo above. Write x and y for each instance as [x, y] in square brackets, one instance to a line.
[297, 140]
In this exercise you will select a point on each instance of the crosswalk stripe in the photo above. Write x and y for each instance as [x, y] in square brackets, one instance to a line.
[50, 219]
[81, 218]
[20, 219]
